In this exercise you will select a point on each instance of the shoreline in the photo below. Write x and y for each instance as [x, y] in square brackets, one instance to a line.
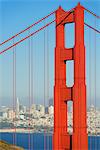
[17, 130]
[22, 130]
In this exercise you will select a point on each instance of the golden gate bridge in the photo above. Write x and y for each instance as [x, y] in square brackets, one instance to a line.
[62, 140]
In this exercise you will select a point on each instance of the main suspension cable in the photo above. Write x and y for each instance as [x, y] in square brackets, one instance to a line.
[66, 16]
[92, 13]
[34, 33]
[27, 28]
[92, 27]
[23, 39]
[39, 22]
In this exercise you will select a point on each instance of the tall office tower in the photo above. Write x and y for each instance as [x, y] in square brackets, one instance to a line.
[17, 106]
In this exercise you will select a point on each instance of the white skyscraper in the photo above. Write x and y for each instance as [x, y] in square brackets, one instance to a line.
[17, 106]
[51, 110]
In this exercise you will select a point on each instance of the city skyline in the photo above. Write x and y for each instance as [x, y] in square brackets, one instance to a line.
[41, 119]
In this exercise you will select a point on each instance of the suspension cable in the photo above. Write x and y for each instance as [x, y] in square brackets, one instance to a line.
[38, 30]
[26, 37]
[27, 28]
[29, 66]
[48, 78]
[44, 86]
[33, 33]
[32, 86]
[92, 13]
[14, 91]
[13, 97]
[66, 16]
[92, 27]
[31, 26]
[95, 77]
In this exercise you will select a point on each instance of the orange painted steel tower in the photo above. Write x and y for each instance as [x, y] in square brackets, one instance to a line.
[62, 94]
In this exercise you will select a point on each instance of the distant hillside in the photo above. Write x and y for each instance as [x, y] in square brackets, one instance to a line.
[6, 146]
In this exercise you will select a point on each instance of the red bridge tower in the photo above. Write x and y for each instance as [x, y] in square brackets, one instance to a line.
[62, 94]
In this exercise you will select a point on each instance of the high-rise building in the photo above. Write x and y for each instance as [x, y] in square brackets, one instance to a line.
[51, 110]
[24, 109]
[17, 106]
[51, 102]
[46, 109]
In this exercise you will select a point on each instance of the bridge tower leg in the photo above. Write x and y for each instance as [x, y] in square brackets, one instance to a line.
[77, 93]
[80, 137]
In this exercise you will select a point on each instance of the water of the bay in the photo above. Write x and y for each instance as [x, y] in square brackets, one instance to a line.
[38, 140]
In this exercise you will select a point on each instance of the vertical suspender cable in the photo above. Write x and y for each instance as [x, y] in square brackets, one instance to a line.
[32, 85]
[44, 91]
[90, 78]
[48, 80]
[29, 140]
[36, 75]
[13, 97]
[95, 78]
[14, 91]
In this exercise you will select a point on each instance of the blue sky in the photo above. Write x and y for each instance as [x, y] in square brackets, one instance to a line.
[17, 15]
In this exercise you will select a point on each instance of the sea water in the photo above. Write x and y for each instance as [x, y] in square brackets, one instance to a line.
[38, 140]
